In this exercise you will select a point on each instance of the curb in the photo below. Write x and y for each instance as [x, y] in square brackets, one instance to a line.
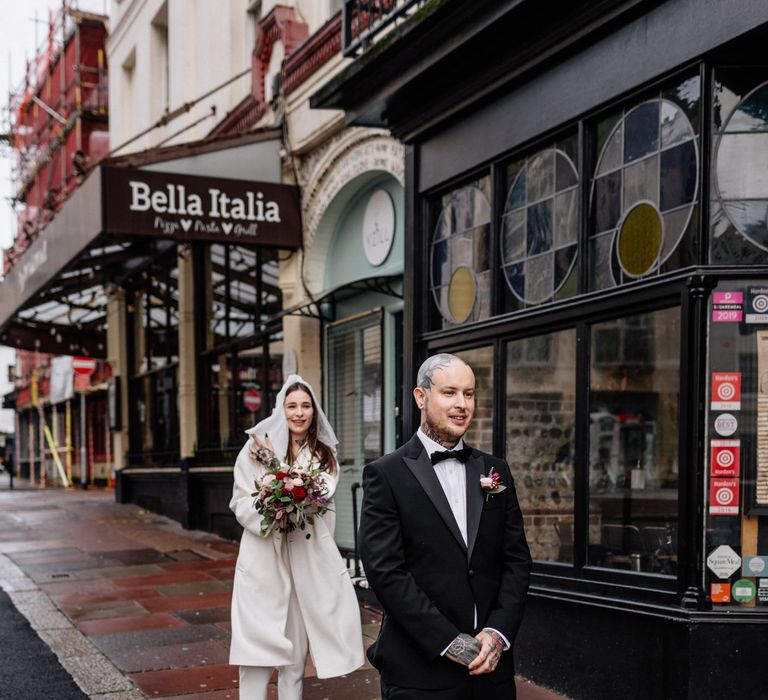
[93, 672]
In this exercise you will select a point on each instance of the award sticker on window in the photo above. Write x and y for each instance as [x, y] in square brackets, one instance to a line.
[727, 307]
[726, 391]
[724, 497]
[725, 458]
[726, 424]
[754, 566]
[743, 590]
[757, 305]
[720, 592]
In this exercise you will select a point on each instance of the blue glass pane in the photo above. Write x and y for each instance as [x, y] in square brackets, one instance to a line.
[516, 198]
[678, 175]
[565, 173]
[641, 131]
[607, 201]
[750, 218]
[516, 278]
[539, 229]
[752, 113]
[440, 272]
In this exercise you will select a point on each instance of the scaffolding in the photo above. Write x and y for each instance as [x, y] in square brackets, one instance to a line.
[59, 120]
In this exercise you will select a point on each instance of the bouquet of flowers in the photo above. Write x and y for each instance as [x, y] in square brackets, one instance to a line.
[288, 497]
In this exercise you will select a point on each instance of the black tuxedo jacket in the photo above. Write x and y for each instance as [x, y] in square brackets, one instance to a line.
[427, 580]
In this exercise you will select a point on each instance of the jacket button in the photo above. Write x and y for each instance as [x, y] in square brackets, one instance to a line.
[471, 572]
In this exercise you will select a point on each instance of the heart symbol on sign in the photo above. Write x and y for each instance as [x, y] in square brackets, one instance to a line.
[227, 227]
[185, 224]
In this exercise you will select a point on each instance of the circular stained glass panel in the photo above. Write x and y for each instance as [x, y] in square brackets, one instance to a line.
[644, 192]
[540, 226]
[459, 269]
[741, 175]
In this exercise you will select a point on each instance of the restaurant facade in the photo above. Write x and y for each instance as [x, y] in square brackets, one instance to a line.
[585, 198]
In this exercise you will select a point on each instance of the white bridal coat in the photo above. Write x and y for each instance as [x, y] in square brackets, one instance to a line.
[270, 567]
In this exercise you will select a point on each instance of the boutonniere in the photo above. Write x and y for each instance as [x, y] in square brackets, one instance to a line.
[491, 484]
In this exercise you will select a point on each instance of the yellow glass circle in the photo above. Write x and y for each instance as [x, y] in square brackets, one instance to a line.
[461, 294]
[640, 238]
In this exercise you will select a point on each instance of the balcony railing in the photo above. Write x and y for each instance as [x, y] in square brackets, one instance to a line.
[365, 19]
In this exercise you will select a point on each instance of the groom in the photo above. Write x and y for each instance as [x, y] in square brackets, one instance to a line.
[442, 543]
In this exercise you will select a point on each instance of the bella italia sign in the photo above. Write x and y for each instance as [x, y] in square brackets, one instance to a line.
[187, 207]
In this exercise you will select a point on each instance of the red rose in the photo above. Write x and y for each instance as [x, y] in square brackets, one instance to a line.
[280, 475]
[299, 493]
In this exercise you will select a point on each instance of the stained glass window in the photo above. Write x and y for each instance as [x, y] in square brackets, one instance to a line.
[645, 188]
[739, 232]
[540, 224]
[460, 270]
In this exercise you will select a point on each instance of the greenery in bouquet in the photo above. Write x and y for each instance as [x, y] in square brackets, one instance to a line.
[288, 497]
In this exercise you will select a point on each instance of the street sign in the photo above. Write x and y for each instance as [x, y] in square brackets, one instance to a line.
[83, 365]
[723, 561]
[82, 382]
[252, 399]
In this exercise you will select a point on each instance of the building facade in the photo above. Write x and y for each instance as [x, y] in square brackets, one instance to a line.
[230, 236]
[585, 225]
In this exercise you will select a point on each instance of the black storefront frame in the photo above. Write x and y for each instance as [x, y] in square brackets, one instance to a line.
[687, 288]
[602, 648]
[206, 453]
[579, 577]
[136, 455]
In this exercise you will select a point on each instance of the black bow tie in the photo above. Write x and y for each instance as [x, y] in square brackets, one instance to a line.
[462, 455]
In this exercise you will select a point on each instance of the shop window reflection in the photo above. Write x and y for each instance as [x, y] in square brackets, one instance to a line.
[241, 363]
[354, 386]
[540, 418]
[480, 433]
[633, 442]
[153, 315]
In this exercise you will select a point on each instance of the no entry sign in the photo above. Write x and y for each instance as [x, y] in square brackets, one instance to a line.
[252, 399]
[83, 365]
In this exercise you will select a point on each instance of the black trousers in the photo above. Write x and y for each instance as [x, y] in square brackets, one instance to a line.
[476, 688]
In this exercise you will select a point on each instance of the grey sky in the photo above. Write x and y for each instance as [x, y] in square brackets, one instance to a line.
[18, 32]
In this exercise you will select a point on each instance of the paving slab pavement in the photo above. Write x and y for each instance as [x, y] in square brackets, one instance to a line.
[135, 606]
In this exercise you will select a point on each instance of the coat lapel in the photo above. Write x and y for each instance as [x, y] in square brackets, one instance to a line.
[422, 469]
[475, 469]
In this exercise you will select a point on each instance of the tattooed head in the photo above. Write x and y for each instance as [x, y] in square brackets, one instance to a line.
[424, 378]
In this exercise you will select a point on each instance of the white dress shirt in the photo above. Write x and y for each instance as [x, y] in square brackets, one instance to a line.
[452, 476]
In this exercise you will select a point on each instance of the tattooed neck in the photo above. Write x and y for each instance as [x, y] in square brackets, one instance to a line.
[448, 441]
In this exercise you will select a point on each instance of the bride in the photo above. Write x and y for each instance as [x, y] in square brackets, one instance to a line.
[292, 590]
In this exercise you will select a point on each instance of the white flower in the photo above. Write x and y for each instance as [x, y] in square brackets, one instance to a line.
[267, 480]
[486, 483]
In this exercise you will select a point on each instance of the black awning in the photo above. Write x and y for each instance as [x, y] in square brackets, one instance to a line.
[125, 215]
[389, 285]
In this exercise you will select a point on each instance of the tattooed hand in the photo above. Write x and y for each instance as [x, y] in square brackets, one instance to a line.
[463, 649]
[490, 653]
[262, 451]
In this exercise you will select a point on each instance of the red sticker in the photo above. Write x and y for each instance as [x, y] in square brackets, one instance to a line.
[725, 458]
[720, 592]
[724, 496]
[726, 391]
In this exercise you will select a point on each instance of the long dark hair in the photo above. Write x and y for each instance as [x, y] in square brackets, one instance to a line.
[317, 449]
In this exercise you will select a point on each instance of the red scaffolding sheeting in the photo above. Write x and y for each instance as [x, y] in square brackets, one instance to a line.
[59, 120]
